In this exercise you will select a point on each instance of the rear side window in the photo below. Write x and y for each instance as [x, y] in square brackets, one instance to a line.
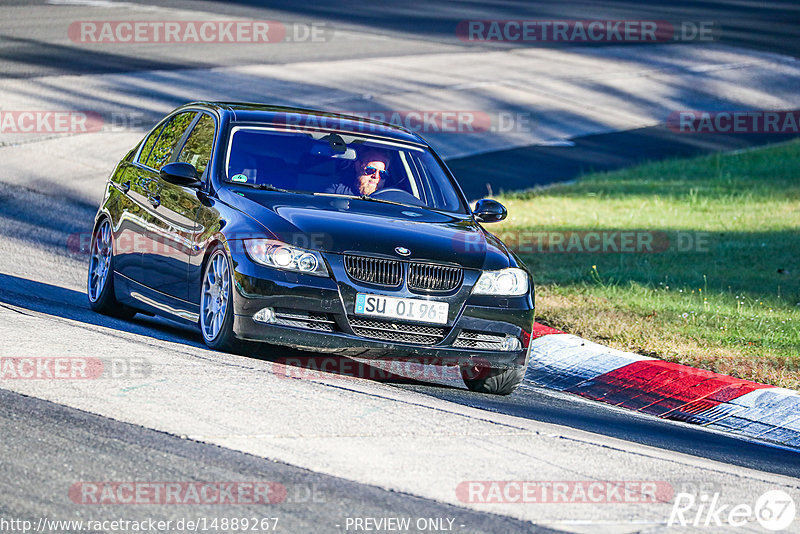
[171, 134]
[148, 144]
[197, 149]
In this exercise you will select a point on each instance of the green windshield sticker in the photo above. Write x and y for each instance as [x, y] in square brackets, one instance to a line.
[239, 178]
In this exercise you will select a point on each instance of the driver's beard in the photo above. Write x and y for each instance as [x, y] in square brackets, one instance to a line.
[367, 188]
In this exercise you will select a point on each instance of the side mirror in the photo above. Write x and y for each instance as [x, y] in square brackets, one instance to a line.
[180, 173]
[488, 210]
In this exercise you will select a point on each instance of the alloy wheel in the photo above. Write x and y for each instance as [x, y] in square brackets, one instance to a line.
[100, 261]
[216, 295]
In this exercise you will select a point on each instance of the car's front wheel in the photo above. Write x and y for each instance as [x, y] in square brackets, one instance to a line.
[492, 380]
[216, 304]
[100, 282]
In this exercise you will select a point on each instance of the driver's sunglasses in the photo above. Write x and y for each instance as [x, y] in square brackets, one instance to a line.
[372, 170]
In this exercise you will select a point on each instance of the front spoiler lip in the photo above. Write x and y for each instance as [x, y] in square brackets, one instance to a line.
[350, 345]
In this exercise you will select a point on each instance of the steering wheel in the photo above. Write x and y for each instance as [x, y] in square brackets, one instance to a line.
[397, 195]
[390, 190]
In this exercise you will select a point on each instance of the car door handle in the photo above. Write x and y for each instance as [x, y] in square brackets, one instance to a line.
[125, 187]
[154, 200]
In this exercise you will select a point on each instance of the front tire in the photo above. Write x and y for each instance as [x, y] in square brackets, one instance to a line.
[100, 282]
[492, 380]
[216, 304]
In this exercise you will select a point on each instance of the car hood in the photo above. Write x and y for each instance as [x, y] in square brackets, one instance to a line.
[351, 225]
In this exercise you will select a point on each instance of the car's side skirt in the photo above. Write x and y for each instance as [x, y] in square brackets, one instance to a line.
[147, 299]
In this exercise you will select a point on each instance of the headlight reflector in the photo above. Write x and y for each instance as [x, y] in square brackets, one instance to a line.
[505, 282]
[307, 262]
[277, 254]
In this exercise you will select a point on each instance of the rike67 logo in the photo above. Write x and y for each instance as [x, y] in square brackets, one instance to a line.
[774, 510]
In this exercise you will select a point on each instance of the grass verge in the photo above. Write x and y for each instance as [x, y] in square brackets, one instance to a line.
[694, 261]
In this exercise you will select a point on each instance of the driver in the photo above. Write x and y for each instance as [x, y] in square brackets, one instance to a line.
[369, 171]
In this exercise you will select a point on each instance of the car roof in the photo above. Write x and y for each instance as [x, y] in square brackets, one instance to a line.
[309, 118]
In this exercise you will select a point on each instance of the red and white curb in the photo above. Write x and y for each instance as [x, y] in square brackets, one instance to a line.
[568, 363]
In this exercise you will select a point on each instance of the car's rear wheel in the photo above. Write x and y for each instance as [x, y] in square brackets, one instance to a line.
[492, 380]
[216, 304]
[100, 282]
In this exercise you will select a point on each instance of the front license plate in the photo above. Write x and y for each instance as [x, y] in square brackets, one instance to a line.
[423, 311]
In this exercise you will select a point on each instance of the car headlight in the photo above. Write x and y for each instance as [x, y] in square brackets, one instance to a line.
[505, 282]
[279, 255]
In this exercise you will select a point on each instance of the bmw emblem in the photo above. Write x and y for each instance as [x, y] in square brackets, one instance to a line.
[403, 251]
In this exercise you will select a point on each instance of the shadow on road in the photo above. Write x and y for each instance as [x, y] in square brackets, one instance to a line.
[527, 402]
[73, 305]
[539, 165]
[536, 404]
[767, 26]
[20, 294]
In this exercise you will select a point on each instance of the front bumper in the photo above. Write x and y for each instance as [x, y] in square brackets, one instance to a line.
[333, 326]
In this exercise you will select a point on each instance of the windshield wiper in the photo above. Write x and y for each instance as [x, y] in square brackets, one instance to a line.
[361, 197]
[365, 197]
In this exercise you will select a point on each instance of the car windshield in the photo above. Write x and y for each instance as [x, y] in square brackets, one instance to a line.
[340, 164]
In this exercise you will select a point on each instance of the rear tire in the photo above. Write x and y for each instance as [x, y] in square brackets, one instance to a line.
[492, 380]
[100, 282]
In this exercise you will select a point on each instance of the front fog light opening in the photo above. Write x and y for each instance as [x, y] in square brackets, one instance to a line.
[264, 315]
[511, 344]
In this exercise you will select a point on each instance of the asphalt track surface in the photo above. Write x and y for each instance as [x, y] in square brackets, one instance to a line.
[529, 401]
[35, 46]
[31, 49]
[48, 434]
[531, 166]
[46, 447]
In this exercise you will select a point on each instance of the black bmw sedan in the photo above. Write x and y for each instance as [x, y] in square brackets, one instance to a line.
[313, 230]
